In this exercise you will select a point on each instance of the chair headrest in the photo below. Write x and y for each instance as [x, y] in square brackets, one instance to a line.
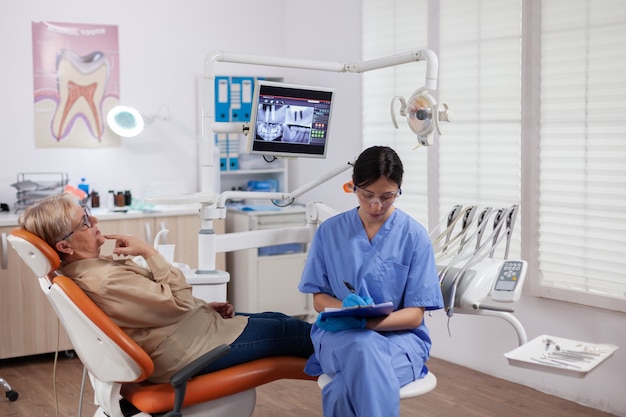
[37, 254]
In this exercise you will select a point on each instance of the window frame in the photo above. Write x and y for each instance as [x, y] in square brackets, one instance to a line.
[530, 135]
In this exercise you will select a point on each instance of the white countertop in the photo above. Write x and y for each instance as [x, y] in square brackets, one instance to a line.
[10, 218]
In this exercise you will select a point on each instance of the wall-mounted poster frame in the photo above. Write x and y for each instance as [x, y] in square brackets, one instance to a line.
[76, 81]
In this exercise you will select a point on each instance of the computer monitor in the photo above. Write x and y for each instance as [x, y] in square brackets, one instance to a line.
[290, 120]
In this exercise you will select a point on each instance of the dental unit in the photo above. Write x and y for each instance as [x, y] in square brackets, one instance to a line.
[473, 280]
[423, 116]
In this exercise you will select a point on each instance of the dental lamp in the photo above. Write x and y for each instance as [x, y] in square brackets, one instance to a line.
[214, 204]
[125, 121]
[210, 127]
[423, 115]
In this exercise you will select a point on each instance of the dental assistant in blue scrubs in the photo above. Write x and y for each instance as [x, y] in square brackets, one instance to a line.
[384, 255]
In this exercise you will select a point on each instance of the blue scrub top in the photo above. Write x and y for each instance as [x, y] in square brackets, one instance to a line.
[397, 265]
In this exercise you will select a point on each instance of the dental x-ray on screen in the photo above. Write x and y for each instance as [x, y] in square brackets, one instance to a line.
[290, 120]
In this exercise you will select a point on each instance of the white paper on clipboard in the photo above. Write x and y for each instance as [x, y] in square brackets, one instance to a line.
[374, 310]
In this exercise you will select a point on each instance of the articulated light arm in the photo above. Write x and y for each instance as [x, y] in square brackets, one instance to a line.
[210, 127]
[288, 198]
[213, 209]
[403, 58]
[427, 55]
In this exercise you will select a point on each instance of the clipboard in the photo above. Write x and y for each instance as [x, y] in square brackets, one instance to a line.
[374, 310]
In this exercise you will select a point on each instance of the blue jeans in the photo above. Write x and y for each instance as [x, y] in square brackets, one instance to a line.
[267, 334]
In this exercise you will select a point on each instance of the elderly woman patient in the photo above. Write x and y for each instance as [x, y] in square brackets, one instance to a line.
[154, 305]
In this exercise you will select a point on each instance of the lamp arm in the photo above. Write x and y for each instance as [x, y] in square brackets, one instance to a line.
[207, 150]
[289, 197]
[330, 174]
[389, 61]
[239, 58]
[417, 55]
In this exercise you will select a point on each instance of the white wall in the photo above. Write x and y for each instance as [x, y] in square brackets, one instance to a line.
[163, 45]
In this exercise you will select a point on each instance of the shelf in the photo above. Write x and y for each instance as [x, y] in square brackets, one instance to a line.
[560, 356]
[253, 171]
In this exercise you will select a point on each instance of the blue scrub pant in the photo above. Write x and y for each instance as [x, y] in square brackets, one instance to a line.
[265, 335]
[367, 372]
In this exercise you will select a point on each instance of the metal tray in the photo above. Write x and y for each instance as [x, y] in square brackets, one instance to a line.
[560, 356]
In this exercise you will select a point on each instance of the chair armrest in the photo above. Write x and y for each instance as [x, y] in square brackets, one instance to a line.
[180, 378]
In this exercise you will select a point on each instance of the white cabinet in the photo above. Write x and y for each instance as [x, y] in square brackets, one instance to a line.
[183, 232]
[266, 279]
[28, 324]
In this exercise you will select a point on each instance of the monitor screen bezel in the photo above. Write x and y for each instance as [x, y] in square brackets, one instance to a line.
[280, 149]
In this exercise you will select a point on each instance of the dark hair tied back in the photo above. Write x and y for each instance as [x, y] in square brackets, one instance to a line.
[376, 162]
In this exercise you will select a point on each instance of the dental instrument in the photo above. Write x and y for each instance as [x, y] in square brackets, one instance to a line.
[481, 224]
[477, 272]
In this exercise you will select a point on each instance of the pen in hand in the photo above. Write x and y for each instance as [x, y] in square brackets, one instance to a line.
[355, 301]
[349, 286]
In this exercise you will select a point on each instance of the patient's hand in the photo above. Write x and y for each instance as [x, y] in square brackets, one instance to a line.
[131, 246]
[225, 309]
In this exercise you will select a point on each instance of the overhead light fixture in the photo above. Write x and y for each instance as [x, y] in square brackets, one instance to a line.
[423, 115]
[125, 121]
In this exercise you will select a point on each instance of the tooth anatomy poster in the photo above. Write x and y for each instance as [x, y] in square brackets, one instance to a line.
[76, 82]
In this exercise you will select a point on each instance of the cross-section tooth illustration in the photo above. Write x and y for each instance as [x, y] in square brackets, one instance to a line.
[81, 84]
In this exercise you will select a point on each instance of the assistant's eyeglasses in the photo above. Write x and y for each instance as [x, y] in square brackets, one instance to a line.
[384, 199]
[84, 225]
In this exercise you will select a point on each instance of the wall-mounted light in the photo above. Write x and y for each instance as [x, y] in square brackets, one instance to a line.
[125, 121]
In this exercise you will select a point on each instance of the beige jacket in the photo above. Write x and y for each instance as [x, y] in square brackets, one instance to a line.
[156, 309]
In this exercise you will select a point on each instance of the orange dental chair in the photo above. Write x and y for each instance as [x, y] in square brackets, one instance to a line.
[118, 367]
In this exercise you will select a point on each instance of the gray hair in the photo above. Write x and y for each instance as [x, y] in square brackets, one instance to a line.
[49, 218]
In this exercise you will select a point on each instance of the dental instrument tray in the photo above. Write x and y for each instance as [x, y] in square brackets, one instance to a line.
[374, 310]
[560, 356]
[33, 186]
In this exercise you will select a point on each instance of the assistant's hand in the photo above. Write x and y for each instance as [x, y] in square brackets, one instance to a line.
[355, 300]
[131, 246]
[225, 309]
[335, 324]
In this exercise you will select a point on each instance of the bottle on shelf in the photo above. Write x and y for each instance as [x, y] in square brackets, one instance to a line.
[95, 199]
[84, 185]
[120, 201]
[128, 198]
[111, 199]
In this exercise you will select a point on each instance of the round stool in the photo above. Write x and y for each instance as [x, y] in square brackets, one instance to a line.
[412, 389]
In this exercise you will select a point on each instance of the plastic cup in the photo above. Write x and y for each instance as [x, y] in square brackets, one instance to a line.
[167, 251]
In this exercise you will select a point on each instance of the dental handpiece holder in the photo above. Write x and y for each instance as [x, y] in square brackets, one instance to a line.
[492, 284]
[489, 288]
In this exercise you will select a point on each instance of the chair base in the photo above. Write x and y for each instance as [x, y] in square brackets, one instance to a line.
[236, 405]
[240, 404]
[10, 393]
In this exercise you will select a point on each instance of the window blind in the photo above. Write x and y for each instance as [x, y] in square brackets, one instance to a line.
[582, 205]
[577, 198]
[480, 77]
[390, 28]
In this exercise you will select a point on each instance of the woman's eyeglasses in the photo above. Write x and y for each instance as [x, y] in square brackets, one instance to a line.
[384, 199]
[84, 225]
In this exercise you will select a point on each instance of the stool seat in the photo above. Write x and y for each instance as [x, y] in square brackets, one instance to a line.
[412, 389]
